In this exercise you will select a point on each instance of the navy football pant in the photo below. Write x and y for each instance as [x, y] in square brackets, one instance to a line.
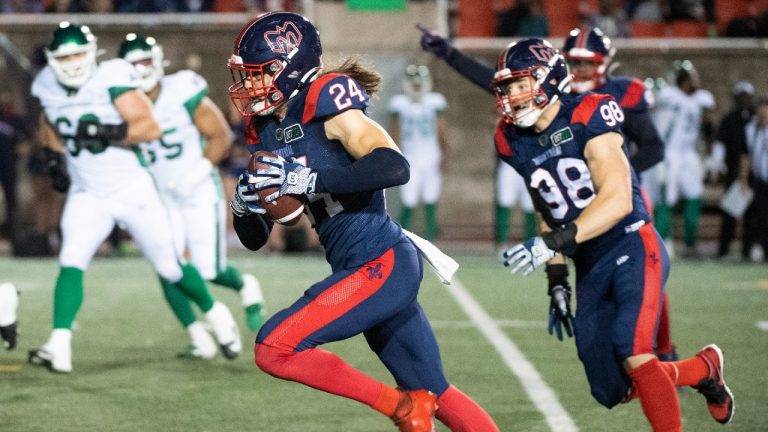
[377, 299]
[619, 299]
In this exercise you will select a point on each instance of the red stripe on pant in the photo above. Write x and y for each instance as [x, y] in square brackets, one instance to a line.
[649, 308]
[334, 302]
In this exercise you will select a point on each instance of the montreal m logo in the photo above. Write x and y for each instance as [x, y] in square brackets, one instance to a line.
[283, 38]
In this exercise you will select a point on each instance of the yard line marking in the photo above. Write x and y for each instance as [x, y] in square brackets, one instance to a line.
[501, 323]
[762, 325]
[538, 391]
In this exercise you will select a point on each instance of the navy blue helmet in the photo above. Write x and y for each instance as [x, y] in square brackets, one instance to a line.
[276, 55]
[522, 103]
[588, 44]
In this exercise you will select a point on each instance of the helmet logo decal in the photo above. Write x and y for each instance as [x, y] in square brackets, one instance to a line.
[283, 38]
[542, 52]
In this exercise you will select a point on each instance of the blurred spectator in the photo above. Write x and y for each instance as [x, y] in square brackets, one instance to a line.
[13, 130]
[163, 6]
[643, 10]
[21, 6]
[726, 151]
[609, 17]
[689, 10]
[756, 164]
[526, 18]
[748, 26]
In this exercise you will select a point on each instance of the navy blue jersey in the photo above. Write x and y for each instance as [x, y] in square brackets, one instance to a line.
[629, 93]
[354, 228]
[554, 168]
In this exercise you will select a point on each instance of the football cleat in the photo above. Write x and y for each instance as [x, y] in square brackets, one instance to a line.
[9, 335]
[253, 302]
[421, 416]
[201, 344]
[60, 362]
[191, 352]
[225, 330]
[719, 397]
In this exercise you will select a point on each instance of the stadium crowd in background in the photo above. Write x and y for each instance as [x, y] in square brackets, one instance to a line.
[145, 6]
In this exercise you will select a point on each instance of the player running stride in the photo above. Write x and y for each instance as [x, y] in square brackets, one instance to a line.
[340, 160]
[573, 156]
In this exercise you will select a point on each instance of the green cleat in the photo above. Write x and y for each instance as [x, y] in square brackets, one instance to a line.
[255, 316]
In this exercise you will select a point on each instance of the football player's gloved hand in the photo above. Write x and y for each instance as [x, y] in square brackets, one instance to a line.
[560, 315]
[434, 43]
[528, 256]
[245, 199]
[9, 300]
[188, 182]
[291, 178]
[93, 130]
[57, 170]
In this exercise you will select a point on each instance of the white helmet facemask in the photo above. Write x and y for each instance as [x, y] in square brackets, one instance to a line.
[149, 74]
[73, 72]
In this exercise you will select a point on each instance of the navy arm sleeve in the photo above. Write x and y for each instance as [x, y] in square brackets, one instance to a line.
[379, 169]
[639, 127]
[252, 230]
[471, 69]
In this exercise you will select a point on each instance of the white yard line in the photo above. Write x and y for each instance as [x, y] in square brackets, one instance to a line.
[762, 325]
[538, 391]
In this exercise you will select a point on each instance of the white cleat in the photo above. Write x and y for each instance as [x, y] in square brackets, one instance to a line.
[56, 354]
[225, 330]
[201, 343]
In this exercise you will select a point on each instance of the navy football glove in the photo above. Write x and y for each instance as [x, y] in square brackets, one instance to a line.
[57, 170]
[245, 199]
[528, 256]
[289, 177]
[560, 315]
[434, 43]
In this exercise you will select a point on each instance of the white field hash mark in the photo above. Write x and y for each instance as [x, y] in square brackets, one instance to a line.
[762, 325]
[542, 396]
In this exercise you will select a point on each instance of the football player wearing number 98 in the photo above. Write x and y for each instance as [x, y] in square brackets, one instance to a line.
[341, 161]
[196, 136]
[573, 156]
[94, 115]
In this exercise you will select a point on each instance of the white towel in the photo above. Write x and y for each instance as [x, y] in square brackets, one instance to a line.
[443, 265]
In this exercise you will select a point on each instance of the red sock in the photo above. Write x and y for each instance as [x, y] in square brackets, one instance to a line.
[658, 396]
[327, 372]
[461, 414]
[663, 335]
[686, 372]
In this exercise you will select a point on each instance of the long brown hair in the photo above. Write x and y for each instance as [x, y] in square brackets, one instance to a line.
[355, 68]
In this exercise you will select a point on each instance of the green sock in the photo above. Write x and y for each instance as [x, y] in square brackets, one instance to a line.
[229, 278]
[662, 219]
[501, 223]
[430, 213]
[405, 217]
[193, 285]
[179, 303]
[530, 224]
[691, 213]
[67, 297]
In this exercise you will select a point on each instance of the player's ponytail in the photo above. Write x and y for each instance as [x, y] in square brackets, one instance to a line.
[360, 72]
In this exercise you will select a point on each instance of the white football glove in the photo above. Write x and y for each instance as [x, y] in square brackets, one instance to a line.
[528, 256]
[245, 199]
[290, 178]
[191, 178]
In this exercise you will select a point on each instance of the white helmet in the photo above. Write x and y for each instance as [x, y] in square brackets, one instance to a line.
[136, 49]
[70, 39]
[418, 80]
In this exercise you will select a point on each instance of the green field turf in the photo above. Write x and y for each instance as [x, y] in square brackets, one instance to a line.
[127, 378]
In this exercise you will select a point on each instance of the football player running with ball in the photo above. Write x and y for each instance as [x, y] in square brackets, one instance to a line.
[94, 116]
[571, 152]
[340, 161]
[196, 137]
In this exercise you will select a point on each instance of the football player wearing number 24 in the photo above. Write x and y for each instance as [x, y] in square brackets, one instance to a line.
[571, 150]
[331, 152]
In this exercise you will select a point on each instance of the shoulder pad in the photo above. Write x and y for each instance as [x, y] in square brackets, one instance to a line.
[503, 146]
[705, 99]
[436, 100]
[636, 96]
[599, 114]
[333, 94]
[188, 88]
[396, 103]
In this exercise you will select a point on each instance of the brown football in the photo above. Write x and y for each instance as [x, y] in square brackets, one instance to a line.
[285, 210]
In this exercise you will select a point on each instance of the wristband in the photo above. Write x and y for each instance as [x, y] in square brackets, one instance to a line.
[561, 238]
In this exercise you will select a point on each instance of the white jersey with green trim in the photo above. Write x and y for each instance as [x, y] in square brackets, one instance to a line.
[103, 170]
[678, 117]
[181, 145]
[418, 126]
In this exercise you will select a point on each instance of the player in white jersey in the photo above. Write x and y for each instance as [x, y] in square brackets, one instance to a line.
[94, 115]
[416, 118]
[682, 113]
[196, 137]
